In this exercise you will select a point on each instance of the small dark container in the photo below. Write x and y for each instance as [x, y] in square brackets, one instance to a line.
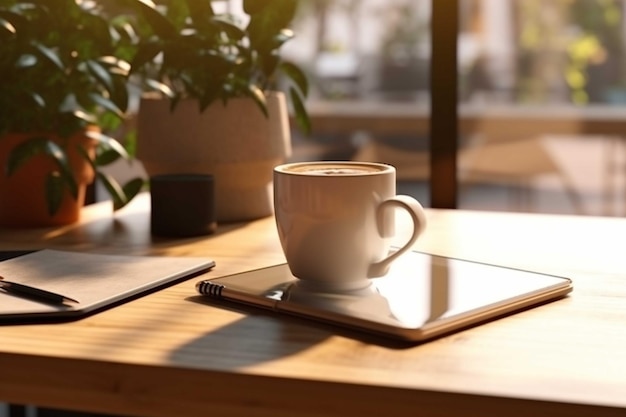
[182, 205]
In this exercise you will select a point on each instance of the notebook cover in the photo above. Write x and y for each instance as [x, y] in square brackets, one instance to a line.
[97, 281]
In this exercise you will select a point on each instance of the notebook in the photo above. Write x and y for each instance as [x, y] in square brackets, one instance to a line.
[422, 297]
[96, 281]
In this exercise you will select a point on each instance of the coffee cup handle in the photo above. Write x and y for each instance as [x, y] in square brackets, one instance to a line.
[416, 211]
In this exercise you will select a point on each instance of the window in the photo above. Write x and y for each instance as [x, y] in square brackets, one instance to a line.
[541, 97]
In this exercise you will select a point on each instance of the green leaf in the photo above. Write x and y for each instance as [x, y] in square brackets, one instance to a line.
[132, 188]
[38, 100]
[124, 31]
[113, 188]
[176, 12]
[283, 36]
[208, 97]
[83, 152]
[232, 30]
[95, 27]
[161, 26]
[59, 156]
[160, 87]
[269, 62]
[83, 118]
[64, 173]
[23, 152]
[100, 73]
[302, 117]
[201, 13]
[51, 55]
[26, 61]
[12, 22]
[296, 75]
[7, 26]
[119, 95]
[146, 53]
[108, 142]
[267, 18]
[116, 66]
[259, 97]
[107, 157]
[55, 185]
[106, 104]
[255, 6]
[286, 9]
[42, 146]
[121, 196]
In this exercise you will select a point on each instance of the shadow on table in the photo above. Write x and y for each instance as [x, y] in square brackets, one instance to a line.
[269, 336]
[130, 231]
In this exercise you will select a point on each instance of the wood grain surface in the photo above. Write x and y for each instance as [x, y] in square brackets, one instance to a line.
[172, 353]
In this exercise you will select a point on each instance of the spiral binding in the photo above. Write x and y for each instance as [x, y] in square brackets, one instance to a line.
[209, 288]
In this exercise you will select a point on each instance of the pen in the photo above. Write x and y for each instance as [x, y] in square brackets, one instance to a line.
[33, 293]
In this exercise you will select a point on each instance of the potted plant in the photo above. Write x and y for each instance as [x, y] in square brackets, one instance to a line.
[221, 108]
[64, 81]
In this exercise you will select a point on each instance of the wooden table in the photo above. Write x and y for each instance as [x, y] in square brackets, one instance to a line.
[166, 355]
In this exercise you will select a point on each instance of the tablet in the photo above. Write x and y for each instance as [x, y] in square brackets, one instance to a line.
[423, 296]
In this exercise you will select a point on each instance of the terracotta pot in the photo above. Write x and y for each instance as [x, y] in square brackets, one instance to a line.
[22, 195]
[235, 143]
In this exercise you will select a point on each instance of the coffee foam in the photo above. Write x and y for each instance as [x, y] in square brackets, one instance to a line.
[334, 169]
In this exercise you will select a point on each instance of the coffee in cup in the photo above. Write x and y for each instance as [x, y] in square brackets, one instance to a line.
[335, 221]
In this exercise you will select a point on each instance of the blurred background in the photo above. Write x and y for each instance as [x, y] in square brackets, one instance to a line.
[542, 96]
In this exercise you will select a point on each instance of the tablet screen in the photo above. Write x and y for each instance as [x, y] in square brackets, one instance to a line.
[422, 296]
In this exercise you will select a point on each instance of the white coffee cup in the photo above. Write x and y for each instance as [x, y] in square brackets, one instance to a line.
[336, 219]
